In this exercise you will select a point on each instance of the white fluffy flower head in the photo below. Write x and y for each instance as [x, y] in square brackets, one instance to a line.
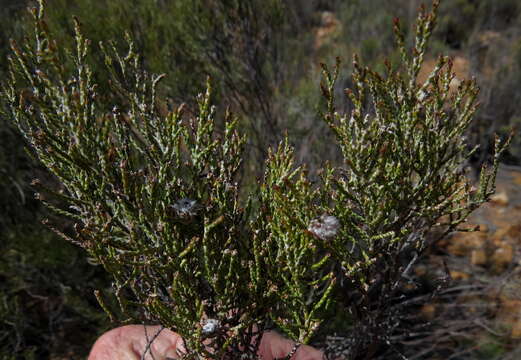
[326, 227]
[210, 326]
[186, 207]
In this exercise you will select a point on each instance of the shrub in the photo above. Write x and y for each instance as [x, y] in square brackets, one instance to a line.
[155, 200]
[248, 48]
[45, 283]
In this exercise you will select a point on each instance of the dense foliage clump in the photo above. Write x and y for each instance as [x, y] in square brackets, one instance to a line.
[154, 195]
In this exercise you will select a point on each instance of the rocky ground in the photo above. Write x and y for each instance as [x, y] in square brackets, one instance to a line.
[485, 267]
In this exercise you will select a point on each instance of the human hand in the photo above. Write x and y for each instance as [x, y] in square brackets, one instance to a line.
[130, 342]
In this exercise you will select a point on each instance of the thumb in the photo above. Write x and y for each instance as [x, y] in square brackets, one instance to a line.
[274, 346]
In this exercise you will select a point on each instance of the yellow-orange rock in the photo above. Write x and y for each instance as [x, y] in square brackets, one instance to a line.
[516, 177]
[500, 199]
[507, 308]
[428, 311]
[502, 256]
[330, 26]
[514, 231]
[460, 67]
[461, 244]
[420, 270]
[483, 229]
[459, 275]
[478, 257]
[516, 329]
[500, 236]
[509, 234]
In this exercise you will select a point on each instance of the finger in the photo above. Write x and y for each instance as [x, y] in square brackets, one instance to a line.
[131, 342]
[306, 352]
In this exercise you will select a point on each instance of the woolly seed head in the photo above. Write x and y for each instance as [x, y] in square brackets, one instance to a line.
[326, 227]
[210, 326]
[186, 207]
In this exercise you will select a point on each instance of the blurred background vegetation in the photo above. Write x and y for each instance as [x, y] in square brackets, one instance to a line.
[263, 57]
